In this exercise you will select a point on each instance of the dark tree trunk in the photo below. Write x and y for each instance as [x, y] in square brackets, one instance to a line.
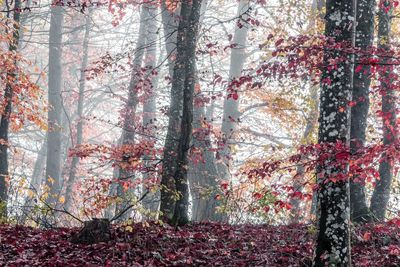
[81, 98]
[53, 162]
[5, 117]
[333, 241]
[381, 194]
[359, 112]
[174, 184]
[177, 69]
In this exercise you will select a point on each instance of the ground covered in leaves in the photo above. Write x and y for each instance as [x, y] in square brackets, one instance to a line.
[205, 244]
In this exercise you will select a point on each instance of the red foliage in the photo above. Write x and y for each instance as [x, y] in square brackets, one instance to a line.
[203, 244]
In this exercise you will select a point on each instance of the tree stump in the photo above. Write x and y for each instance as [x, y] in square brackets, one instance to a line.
[94, 231]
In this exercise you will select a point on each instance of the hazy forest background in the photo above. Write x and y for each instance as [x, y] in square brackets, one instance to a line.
[248, 120]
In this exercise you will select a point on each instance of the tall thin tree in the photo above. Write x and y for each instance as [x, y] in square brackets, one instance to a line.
[5, 116]
[81, 99]
[174, 183]
[381, 194]
[53, 161]
[359, 112]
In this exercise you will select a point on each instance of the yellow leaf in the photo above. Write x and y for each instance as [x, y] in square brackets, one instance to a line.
[51, 180]
[62, 199]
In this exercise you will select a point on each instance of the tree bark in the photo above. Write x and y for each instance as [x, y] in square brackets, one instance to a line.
[5, 116]
[53, 162]
[333, 240]
[359, 112]
[174, 184]
[81, 98]
[381, 194]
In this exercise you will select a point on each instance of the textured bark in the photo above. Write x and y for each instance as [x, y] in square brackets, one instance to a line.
[53, 162]
[79, 127]
[126, 174]
[5, 118]
[333, 241]
[174, 184]
[381, 194]
[359, 112]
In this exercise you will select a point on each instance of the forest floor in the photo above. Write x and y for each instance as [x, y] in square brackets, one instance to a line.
[204, 244]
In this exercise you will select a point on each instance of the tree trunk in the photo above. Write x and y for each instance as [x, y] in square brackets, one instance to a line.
[203, 175]
[36, 180]
[231, 106]
[333, 241]
[53, 162]
[231, 114]
[174, 184]
[151, 201]
[126, 174]
[5, 117]
[381, 194]
[81, 98]
[359, 112]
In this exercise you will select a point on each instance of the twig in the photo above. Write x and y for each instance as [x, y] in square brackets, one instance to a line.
[129, 207]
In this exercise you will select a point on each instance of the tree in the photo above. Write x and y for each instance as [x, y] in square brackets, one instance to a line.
[174, 184]
[81, 98]
[333, 241]
[231, 116]
[126, 174]
[381, 194]
[53, 161]
[359, 112]
[151, 201]
[6, 113]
